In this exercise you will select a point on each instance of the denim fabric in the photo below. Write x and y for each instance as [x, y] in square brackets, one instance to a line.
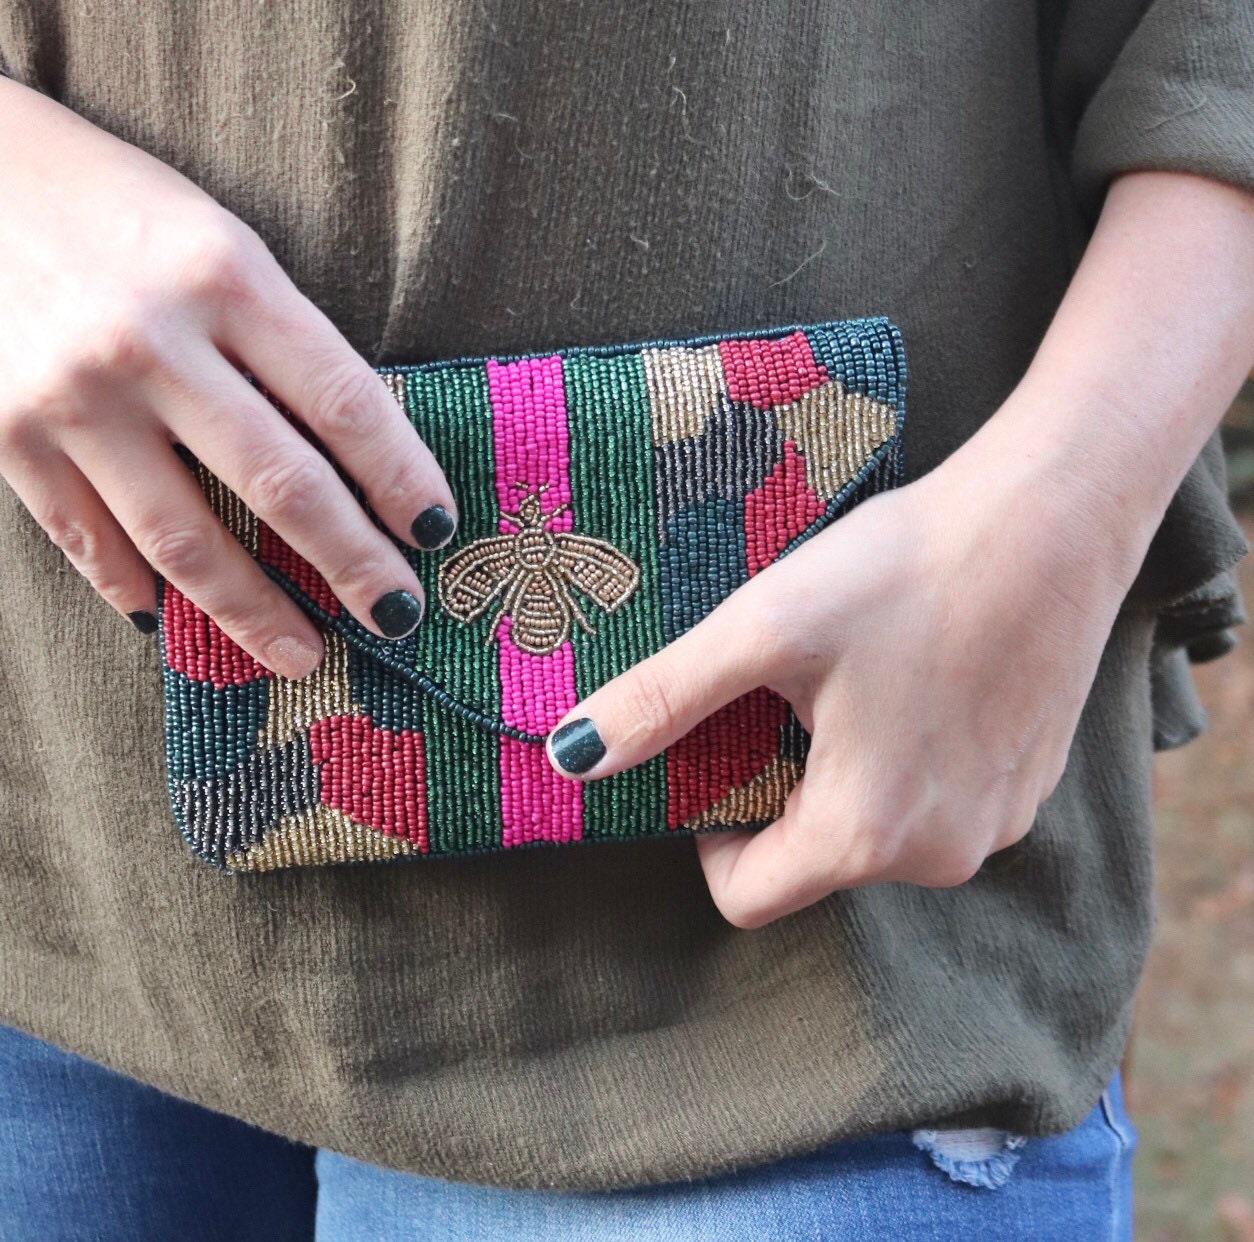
[87, 1155]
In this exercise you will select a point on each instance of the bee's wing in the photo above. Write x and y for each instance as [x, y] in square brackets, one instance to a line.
[474, 576]
[597, 569]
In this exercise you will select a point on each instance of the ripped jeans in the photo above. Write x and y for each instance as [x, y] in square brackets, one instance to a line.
[87, 1155]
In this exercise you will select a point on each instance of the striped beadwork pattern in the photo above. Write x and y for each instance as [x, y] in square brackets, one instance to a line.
[609, 498]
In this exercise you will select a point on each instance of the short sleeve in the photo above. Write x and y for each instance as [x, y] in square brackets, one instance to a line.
[1154, 84]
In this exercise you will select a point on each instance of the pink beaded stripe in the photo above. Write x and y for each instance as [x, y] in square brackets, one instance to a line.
[531, 450]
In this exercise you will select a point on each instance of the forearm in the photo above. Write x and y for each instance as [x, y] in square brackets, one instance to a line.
[1145, 353]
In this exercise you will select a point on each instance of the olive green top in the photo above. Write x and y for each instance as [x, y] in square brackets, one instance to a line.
[447, 178]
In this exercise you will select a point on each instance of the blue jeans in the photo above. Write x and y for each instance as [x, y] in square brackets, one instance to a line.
[87, 1155]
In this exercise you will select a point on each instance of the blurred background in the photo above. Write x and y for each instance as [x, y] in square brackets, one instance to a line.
[1190, 1066]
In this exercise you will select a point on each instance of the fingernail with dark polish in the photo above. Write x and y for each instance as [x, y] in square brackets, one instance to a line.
[433, 528]
[577, 747]
[397, 613]
[145, 622]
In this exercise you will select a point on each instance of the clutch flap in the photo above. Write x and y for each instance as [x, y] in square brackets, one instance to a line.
[610, 498]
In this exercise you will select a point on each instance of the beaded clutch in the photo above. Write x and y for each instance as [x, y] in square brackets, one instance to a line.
[609, 498]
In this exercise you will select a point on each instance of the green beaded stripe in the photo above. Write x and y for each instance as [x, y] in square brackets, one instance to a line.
[611, 456]
[450, 410]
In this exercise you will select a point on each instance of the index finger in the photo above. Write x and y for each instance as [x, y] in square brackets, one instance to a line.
[657, 701]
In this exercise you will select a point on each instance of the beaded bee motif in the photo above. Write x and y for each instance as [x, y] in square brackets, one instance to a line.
[534, 572]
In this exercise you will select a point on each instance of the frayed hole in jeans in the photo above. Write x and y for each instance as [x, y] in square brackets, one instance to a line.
[983, 1157]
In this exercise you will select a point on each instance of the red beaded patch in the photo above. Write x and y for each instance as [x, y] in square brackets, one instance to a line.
[375, 776]
[771, 373]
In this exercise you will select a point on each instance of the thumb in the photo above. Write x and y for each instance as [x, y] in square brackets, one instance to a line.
[654, 703]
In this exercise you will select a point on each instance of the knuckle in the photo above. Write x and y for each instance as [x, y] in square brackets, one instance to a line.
[218, 260]
[285, 489]
[54, 397]
[344, 402]
[181, 552]
[81, 543]
[110, 581]
[253, 617]
[366, 575]
[125, 345]
[955, 870]
[366, 578]
[402, 484]
[1009, 838]
[1015, 829]
[22, 426]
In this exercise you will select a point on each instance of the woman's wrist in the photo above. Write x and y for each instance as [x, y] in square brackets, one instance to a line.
[1134, 374]
[1090, 475]
[1038, 499]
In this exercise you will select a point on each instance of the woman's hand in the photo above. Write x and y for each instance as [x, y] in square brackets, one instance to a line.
[940, 640]
[133, 302]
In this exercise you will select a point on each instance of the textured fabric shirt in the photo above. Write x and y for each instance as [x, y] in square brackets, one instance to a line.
[446, 179]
